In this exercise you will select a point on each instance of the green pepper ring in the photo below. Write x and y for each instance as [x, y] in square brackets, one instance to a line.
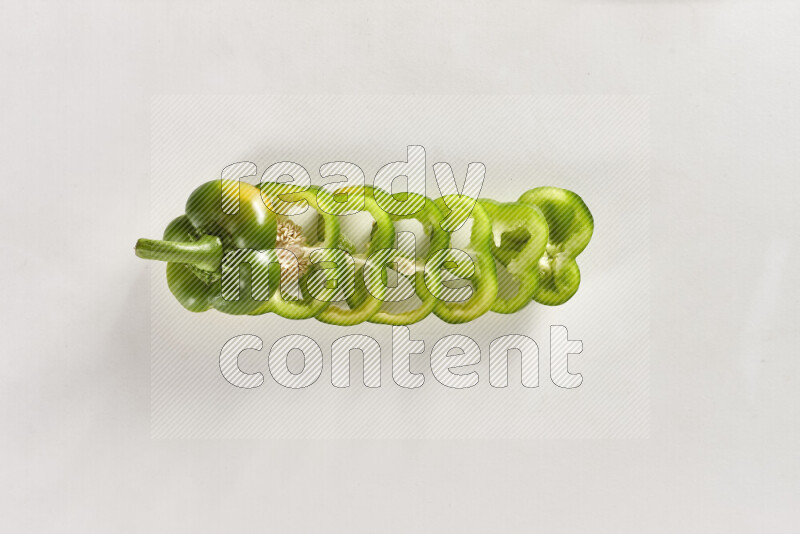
[430, 217]
[382, 237]
[519, 234]
[484, 277]
[309, 306]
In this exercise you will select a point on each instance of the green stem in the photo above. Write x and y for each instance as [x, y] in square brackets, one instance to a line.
[205, 253]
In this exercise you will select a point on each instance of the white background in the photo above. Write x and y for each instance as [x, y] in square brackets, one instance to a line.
[75, 393]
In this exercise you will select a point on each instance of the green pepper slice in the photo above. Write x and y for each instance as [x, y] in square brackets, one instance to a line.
[362, 305]
[519, 233]
[482, 276]
[429, 216]
[570, 226]
[295, 245]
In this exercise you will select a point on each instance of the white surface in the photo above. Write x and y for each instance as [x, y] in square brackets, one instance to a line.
[723, 83]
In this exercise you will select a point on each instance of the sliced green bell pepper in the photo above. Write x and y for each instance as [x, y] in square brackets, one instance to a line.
[310, 267]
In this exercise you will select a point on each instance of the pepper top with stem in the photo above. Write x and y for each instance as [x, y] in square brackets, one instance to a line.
[195, 244]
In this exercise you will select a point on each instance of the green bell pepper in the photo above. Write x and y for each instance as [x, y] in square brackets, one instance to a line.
[311, 267]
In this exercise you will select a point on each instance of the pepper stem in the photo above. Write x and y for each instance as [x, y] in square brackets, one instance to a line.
[205, 253]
